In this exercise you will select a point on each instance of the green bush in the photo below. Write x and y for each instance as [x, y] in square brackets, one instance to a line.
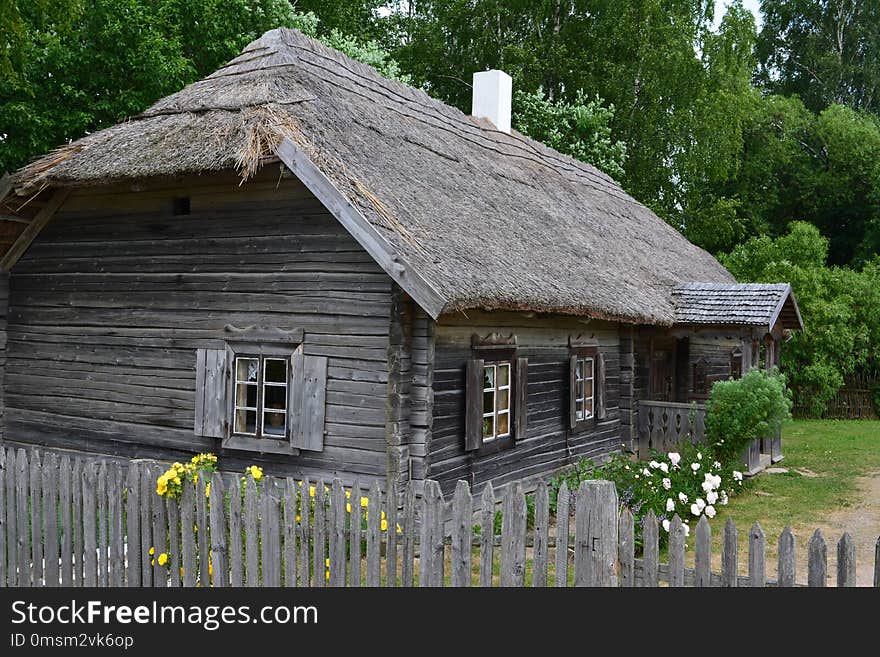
[741, 410]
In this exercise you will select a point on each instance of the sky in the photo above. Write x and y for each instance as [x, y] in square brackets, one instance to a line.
[753, 6]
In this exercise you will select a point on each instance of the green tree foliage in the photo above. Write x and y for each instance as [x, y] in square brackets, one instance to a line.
[71, 67]
[580, 128]
[741, 410]
[824, 51]
[840, 308]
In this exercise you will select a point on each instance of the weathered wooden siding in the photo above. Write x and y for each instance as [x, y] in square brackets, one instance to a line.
[548, 445]
[716, 350]
[4, 311]
[111, 302]
[421, 395]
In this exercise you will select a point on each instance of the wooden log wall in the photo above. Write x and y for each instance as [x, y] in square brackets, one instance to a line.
[549, 444]
[110, 303]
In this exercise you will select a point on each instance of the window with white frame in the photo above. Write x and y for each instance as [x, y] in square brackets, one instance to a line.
[261, 397]
[496, 401]
[584, 378]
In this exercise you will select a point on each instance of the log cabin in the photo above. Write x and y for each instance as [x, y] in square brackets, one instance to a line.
[298, 263]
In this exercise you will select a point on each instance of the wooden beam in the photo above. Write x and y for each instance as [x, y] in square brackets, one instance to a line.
[14, 219]
[33, 229]
[361, 229]
[5, 186]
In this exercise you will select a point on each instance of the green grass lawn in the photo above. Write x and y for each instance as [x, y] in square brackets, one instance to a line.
[838, 451]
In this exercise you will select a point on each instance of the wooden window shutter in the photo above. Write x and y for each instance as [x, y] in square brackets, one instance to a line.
[600, 386]
[521, 400]
[212, 389]
[473, 431]
[572, 391]
[307, 394]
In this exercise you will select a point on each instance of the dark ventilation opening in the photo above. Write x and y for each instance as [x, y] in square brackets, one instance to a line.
[180, 205]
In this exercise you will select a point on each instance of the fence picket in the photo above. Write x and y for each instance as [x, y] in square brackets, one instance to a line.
[172, 513]
[817, 570]
[289, 532]
[3, 523]
[563, 509]
[757, 555]
[336, 538]
[729, 555]
[132, 526]
[703, 554]
[846, 562]
[513, 537]
[487, 535]
[203, 533]
[786, 570]
[407, 565]
[374, 537]
[302, 532]
[90, 529]
[626, 549]
[23, 520]
[103, 512]
[651, 550]
[251, 536]
[877, 564]
[596, 537]
[319, 544]
[270, 545]
[51, 569]
[148, 491]
[116, 566]
[36, 521]
[217, 501]
[65, 547]
[431, 546]
[76, 519]
[462, 530]
[236, 562]
[391, 539]
[187, 534]
[676, 552]
[541, 540]
[355, 517]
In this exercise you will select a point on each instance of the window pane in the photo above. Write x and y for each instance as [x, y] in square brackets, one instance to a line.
[246, 395]
[579, 369]
[276, 370]
[247, 369]
[588, 368]
[273, 424]
[275, 397]
[588, 388]
[588, 408]
[504, 375]
[580, 410]
[503, 400]
[488, 402]
[489, 427]
[246, 422]
[503, 424]
[489, 376]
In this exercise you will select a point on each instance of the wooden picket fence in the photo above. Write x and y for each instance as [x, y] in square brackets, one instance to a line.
[73, 521]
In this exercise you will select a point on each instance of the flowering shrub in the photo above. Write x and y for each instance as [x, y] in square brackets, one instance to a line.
[170, 483]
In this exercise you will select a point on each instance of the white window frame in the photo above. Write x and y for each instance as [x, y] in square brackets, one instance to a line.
[495, 390]
[261, 384]
[581, 388]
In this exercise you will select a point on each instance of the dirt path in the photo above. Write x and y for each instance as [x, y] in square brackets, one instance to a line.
[861, 520]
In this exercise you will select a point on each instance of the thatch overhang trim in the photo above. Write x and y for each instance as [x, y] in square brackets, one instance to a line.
[787, 298]
[385, 255]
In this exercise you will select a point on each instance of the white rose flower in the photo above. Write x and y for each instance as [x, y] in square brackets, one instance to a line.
[667, 484]
[695, 509]
[700, 503]
[646, 472]
[665, 524]
[710, 511]
[664, 468]
[683, 498]
[723, 497]
[699, 456]
[654, 464]
[687, 530]
[695, 466]
[670, 505]
[674, 458]
[711, 497]
[706, 486]
[716, 465]
[737, 475]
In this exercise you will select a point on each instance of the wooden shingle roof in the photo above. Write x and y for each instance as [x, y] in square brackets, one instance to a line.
[741, 304]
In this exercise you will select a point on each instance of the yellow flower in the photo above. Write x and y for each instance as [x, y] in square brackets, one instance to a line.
[163, 559]
[348, 493]
[152, 562]
[255, 471]
[298, 519]
[311, 491]
[208, 490]
[152, 551]
[177, 480]
[181, 572]
[348, 507]
[384, 524]
[364, 501]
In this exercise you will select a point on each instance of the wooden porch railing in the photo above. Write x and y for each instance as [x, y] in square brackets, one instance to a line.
[663, 425]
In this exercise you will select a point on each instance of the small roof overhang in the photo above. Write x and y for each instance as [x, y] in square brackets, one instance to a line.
[765, 306]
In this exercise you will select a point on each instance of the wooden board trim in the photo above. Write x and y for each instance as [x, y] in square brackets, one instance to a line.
[361, 229]
[29, 234]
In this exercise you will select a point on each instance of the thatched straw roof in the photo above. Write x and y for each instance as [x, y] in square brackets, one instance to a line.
[490, 220]
[740, 304]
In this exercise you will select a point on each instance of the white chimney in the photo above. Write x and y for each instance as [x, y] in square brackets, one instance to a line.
[492, 97]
